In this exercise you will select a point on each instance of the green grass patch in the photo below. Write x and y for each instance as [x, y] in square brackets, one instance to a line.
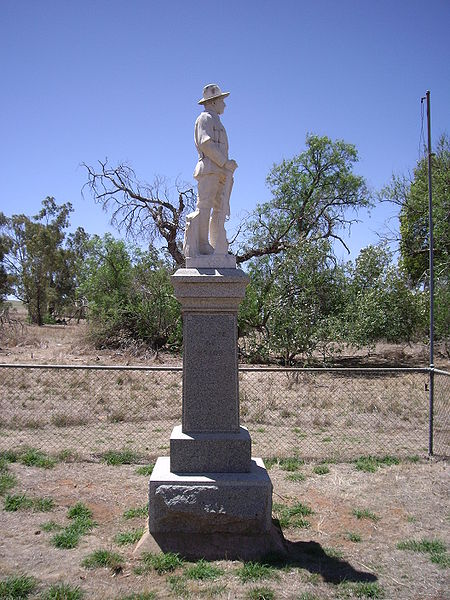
[436, 549]
[253, 571]
[50, 526]
[120, 457]
[365, 514]
[260, 593]
[9, 456]
[7, 482]
[270, 462]
[81, 523]
[333, 553]
[292, 516]
[178, 586]
[145, 470]
[17, 587]
[164, 562]
[360, 589]
[103, 559]
[62, 591]
[17, 502]
[354, 537]
[290, 464]
[369, 464]
[203, 570]
[295, 477]
[79, 511]
[31, 457]
[321, 469]
[124, 538]
[133, 513]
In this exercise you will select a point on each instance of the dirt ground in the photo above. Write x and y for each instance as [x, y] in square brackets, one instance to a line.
[410, 500]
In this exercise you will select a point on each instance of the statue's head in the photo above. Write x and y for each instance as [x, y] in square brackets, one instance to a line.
[213, 97]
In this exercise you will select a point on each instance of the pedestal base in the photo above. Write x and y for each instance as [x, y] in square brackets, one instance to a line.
[210, 452]
[210, 502]
[211, 515]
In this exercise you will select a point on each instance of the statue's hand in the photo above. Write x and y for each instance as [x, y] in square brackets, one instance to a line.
[231, 165]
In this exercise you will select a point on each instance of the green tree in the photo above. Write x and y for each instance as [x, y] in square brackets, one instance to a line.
[315, 196]
[40, 268]
[130, 296]
[291, 304]
[380, 304]
[410, 194]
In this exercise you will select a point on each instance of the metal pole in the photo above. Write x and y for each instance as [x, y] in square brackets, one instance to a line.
[431, 281]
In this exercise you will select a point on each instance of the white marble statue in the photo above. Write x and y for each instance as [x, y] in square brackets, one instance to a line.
[205, 231]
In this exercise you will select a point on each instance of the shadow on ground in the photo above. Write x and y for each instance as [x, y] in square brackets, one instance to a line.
[312, 557]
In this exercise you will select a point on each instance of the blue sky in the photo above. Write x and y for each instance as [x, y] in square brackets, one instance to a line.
[92, 79]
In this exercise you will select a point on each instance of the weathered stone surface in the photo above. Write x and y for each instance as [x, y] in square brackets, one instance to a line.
[229, 503]
[210, 452]
[211, 261]
[210, 374]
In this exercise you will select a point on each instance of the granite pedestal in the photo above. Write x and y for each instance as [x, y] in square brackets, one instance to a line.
[210, 498]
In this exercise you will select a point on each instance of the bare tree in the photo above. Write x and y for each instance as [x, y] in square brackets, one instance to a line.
[141, 208]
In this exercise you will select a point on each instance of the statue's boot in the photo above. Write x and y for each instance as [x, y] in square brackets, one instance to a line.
[204, 247]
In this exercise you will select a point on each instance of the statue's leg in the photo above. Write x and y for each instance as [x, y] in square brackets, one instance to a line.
[207, 191]
[217, 232]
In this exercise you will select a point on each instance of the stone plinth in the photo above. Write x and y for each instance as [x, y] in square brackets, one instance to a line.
[210, 452]
[237, 503]
[210, 499]
[210, 300]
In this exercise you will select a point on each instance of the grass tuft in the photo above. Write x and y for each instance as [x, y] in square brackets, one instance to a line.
[103, 559]
[321, 469]
[120, 457]
[360, 589]
[295, 477]
[31, 457]
[17, 587]
[7, 482]
[203, 570]
[79, 511]
[50, 526]
[290, 464]
[165, 562]
[62, 591]
[17, 502]
[124, 538]
[365, 514]
[354, 537]
[260, 593]
[132, 513]
[145, 470]
[253, 571]
[82, 523]
[178, 586]
[369, 464]
[292, 516]
[436, 549]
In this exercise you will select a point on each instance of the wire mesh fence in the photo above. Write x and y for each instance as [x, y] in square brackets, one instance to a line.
[441, 410]
[313, 413]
